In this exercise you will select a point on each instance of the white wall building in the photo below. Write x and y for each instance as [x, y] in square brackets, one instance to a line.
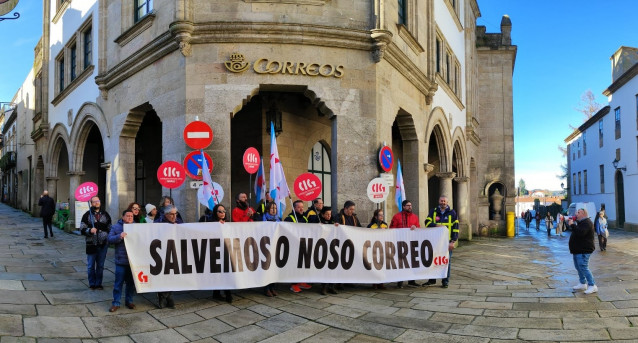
[611, 135]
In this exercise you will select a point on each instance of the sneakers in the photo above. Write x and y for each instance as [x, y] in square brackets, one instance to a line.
[295, 288]
[591, 289]
[580, 286]
[304, 285]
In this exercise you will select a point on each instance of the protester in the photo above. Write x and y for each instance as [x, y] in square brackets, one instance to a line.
[243, 212]
[326, 216]
[581, 245]
[444, 215]
[377, 220]
[207, 217]
[151, 213]
[95, 225]
[166, 200]
[169, 217]
[347, 216]
[313, 212]
[297, 216]
[601, 230]
[123, 273]
[219, 215]
[405, 219]
[46, 212]
[270, 215]
[549, 223]
[261, 206]
[137, 214]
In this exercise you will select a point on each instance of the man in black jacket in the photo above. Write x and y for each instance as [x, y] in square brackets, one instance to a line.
[581, 245]
[47, 211]
[95, 225]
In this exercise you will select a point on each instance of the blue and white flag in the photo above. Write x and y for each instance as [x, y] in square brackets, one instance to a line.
[279, 190]
[207, 195]
[260, 182]
[399, 190]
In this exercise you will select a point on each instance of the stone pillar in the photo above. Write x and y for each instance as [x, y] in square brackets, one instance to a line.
[465, 228]
[446, 185]
[52, 186]
[109, 196]
[74, 181]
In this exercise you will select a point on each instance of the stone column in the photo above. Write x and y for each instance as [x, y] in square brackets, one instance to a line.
[446, 185]
[465, 229]
[74, 181]
[52, 186]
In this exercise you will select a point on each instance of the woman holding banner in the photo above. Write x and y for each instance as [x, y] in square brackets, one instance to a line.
[169, 217]
[270, 215]
[219, 215]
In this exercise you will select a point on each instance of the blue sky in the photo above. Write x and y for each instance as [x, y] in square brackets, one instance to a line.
[563, 50]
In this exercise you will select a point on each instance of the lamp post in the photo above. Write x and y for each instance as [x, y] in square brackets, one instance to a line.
[615, 163]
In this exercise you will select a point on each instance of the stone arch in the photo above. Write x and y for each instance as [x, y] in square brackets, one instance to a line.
[59, 138]
[459, 149]
[89, 114]
[406, 147]
[487, 187]
[438, 126]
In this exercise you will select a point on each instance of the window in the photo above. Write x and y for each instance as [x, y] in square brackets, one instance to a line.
[447, 67]
[73, 51]
[585, 180]
[142, 8]
[319, 164]
[600, 133]
[580, 183]
[402, 12]
[617, 119]
[574, 182]
[602, 179]
[585, 143]
[87, 40]
[457, 78]
[438, 55]
[61, 73]
[578, 143]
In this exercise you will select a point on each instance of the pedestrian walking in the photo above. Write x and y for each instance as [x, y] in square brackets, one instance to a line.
[46, 212]
[549, 223]
[538, 220]
[601, 230]
[581, 245]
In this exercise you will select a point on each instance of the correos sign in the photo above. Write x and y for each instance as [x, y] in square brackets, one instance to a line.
[237, 64]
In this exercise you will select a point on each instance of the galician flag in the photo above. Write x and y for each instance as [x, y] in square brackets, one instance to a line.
[399, 190]
[260, 182]
[206, 195]
[278, 187]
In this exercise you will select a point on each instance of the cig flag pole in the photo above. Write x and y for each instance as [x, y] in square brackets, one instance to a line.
[399, 190]
[260, 183]
[279, 190]
[207, 197]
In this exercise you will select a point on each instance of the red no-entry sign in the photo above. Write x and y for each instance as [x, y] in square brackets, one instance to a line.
[198, 135]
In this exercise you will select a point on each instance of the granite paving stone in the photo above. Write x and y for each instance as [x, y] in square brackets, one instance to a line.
[11, 325]
[304, 311]
[246, 334]
[415, 336]
[625, 333]
[483, 331]
[264, 310]
[55, 327]
[297, 334]
[546, 323]
[362, 326]
[599, 323]
[79, 310]
[180, 320]
[346, 311]
[415, 323]
[580, 335]
[332, 335]
[281, 322]
[204, 329]
[166, 335]
[241, 318]
[122, 324]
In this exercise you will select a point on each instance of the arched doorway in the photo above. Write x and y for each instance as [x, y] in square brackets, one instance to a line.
[405, 148]
[148, 158]
[63, 183]
[92, 160]
[319, 164]
[302, 126]
[620, 199]
[435, 165]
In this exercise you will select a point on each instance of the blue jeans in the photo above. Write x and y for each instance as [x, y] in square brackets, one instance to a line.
[449, 267]
[123, 275]
[95, 265]
[581, 262]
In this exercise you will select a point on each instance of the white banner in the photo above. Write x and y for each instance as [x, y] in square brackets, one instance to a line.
[198, 256]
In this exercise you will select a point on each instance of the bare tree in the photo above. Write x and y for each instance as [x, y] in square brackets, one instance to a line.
[587, 106]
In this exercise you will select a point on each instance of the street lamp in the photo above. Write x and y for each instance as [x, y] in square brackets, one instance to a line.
[615, 163]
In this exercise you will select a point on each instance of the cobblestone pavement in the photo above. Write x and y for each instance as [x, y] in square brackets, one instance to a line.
[501, 290]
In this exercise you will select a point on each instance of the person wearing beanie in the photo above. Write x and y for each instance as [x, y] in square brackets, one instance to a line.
[151, 213]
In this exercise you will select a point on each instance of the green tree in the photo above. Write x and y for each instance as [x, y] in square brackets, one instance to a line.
[521, 187]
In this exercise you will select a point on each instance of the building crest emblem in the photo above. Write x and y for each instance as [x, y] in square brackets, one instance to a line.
[237, 63]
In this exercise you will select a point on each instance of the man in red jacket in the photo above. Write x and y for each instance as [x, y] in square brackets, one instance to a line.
[243, 212]
[405, 219]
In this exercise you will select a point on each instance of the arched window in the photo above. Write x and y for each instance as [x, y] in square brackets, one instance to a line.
[319, 164]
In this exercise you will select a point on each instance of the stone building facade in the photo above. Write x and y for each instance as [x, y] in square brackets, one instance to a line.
[344, 78]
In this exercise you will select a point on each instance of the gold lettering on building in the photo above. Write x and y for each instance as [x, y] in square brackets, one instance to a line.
[266, 66]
